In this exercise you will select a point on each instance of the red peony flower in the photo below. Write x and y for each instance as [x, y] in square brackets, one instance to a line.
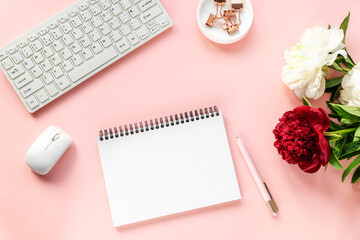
[299, 138]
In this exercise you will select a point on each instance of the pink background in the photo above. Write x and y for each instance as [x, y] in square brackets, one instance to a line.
[178, 71]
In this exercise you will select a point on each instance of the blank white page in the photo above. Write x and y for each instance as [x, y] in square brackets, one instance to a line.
[168, 170]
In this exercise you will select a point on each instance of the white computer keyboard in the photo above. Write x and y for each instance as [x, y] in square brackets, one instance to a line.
[73, 45]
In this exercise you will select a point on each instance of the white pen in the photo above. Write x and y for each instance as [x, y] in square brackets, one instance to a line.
[261, 185]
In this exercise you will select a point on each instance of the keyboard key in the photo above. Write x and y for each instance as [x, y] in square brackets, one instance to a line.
[77, 60]
[62, 83]
[57, 72]
[124, 17]
[38, 58]
[114, 1]
[56, 59]
[105, 4]
[66, 54]
[57, 45]
[46, 65]
[85, 42]
[31, 88]
[27, 51]
[48, 52]
[95, 9]
[37, 46]
[56, 33]
[68, 40]
[3, 55]
[125, 4]
[23, 43]
[106, 16]
[93, 64]
[36, 71]
[66, 27]
[104, 29]
[74, 12]
[32, 102]
[150, 14]
[23, 80]
[133, 11]
[46, 39]
[105, 41]
[7, 63]
[93, 1]
[115, 35]
[76, 22]
[96, 21]
[28, 64]
[33, 37]
[52, 90]
[135, 1]
[42, 95]
[86, 27]
[95, 35]
[114, 23]
[84, 6]
[96, 47]
[125, 30]
[116, 10]
[13, 49]
[143, 32]
[133, 39]
[53, 25]
[16, 71]
[122, 46]
[63, 18]
[76, 47]
[48, 78]
[154, 29]
[134, 23]
[146, 4]
[87, 54]
[163, 22]
[77, 34]
[67, 66]
[17, 57]
[43, 31]
[86, 16]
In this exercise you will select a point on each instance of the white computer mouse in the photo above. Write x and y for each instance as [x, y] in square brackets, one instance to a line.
[47, 150]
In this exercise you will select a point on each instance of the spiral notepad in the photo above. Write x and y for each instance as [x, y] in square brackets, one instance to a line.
[167, 165]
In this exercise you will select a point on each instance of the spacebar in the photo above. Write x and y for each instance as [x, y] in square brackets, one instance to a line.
[92, 64]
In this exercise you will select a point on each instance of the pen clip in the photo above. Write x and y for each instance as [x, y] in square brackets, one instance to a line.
[271, 203]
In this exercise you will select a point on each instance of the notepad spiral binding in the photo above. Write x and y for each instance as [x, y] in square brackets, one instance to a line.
[162, 122]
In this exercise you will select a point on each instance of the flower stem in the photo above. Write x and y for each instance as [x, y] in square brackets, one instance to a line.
[341, 131]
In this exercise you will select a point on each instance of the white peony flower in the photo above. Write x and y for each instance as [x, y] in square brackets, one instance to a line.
[350, 95]
[305, 71]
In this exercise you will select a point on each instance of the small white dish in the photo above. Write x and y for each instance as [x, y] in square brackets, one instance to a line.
[219, 35]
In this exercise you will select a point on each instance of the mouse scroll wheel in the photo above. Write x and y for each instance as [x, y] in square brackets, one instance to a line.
[56, 137]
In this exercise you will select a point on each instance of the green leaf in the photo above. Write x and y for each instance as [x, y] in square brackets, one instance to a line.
[334, 161]
[333, 82]
[356, 176]
[350, 167]
[345, 111]
[349, 58]
[350, 120]
[335, 126]
[305, 101]
[357, 135]
[349, 150]
[340, 144]
[344, 26]
[335, 94]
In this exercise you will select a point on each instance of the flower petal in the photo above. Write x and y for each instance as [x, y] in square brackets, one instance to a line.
[311, 167]
[324, 149]
[318, 118]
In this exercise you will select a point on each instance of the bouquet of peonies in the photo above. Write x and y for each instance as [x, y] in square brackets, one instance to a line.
[311, 137]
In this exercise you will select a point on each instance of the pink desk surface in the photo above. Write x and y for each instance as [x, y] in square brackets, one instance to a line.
[178, 71]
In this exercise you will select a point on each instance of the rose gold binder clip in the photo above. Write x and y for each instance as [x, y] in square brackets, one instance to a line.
[227, 19]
